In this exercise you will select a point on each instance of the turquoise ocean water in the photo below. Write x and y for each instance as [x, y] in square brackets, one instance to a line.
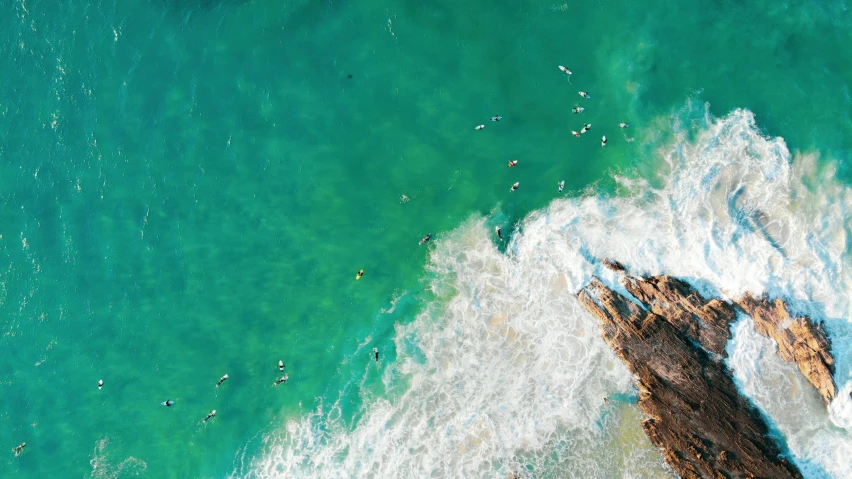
[189, 187]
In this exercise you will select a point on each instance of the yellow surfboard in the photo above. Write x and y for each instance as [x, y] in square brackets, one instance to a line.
[358, 276]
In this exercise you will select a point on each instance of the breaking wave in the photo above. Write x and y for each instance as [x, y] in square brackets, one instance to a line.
[504, 373]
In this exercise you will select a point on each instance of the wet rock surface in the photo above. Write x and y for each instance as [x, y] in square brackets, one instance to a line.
[672, 344]
[799, 341]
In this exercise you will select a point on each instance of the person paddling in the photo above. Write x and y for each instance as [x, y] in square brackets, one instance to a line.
[18, 450]
[221, 380]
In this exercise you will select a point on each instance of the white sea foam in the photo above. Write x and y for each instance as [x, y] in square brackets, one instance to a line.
[505, 372]
[105, 467]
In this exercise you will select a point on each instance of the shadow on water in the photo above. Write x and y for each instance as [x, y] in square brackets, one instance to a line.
[813, 468]
[753, 221]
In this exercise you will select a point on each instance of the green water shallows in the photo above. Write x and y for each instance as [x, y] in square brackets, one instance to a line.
[189, 187]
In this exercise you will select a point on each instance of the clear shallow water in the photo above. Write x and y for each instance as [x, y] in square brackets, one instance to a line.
[189, 188]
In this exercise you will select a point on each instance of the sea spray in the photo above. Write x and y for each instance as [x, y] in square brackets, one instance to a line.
[504, 372]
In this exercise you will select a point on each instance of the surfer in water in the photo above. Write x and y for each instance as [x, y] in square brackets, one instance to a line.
[512, 164]
[376, 353]
[585, 94]
[577, 109]
[360, 273]
[283, 379]
[586, 127]
[100, 384]
[280, 365]
[565, 70]
[575, 133]
[221, 380]
[210, 416]
[603, 141]
[426, 238]
[496, 118]
[561, 185]
[499, 232]
[515, 186]
[167, 403]
[18, 450]
[479, 127]
[623, 125]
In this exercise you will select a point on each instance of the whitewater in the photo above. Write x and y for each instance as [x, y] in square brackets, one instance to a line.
[504, 374]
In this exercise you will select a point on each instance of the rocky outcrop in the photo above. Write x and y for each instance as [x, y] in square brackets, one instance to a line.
[703, 321]
[799, 340]
[696, 416]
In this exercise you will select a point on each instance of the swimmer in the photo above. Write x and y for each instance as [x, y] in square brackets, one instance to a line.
[585, 94]
[561, 185]
[565, 70]
[210, 416]
[100, 384]
[586, 127]
[496, 118]
[167, 403]
[376, 353]
[18, 450]
[426, 238]
[221, 380]
[515, 186]
[479, 127]
[578, 109]
[603, 140]
[623, 125]
[360, 273]
[283, 379]
[499, 232]
[575, 133]
[280, 365]
[513, 164]
[606, 399]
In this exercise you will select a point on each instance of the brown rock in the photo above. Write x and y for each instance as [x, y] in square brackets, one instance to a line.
[705, 322]
[703, 426]
[614, 265]
[799, 340]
